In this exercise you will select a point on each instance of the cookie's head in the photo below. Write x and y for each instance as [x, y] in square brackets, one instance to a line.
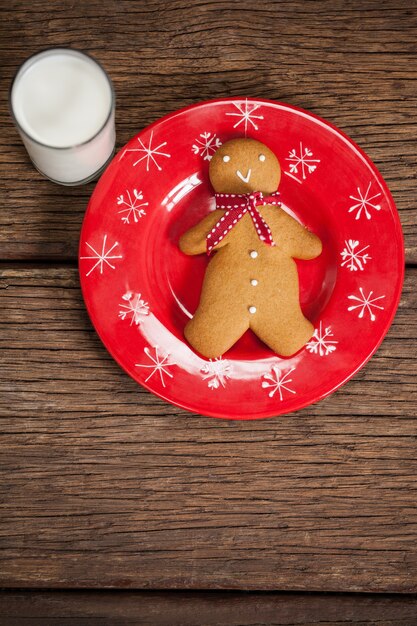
[243, 166]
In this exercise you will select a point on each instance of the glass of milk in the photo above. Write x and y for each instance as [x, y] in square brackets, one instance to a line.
[63, 104]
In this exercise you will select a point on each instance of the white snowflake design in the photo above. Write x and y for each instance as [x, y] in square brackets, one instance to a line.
[366, 303]
[135, 308]
[133, 206]
[277, 382]
[159, 363]
[103, 258]
[321, 343]
[301, 163]
[364, 203]
[207, 145]
[149, 153]
[354, 259]
[216, 372]
[246, 115]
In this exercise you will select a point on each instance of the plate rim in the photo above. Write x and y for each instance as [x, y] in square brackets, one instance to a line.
[399, 238]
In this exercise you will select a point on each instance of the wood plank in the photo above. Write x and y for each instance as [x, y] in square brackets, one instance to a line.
[351, 63]
[103, 484]
[90, 608]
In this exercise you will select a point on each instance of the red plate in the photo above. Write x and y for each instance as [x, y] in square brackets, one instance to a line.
[140, 290]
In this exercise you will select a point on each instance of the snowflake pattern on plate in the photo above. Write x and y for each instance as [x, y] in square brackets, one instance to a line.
[102, 258]
[149, 153]
[159, 364]
[275, 381]
[171, 160]
[134, 308]
[133, 206]
[246, 115]
[206, 146]
[365, 304]
[364, 203]
[216, 372]
[354, 259]
[321, 343]
[301, 163]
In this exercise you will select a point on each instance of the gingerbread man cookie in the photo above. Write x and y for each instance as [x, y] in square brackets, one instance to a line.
[251, 280]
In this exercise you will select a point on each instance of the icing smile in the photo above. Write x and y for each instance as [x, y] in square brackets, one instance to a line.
[246, 178]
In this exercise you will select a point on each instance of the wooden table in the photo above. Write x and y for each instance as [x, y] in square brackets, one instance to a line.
[104, 485]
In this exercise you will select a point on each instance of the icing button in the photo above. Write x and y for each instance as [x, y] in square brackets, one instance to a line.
[252, 309]
[253, 254]
[253, 282]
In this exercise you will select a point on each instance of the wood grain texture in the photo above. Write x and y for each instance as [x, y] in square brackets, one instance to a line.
[102, 484]
[353, 63]
[94, 608]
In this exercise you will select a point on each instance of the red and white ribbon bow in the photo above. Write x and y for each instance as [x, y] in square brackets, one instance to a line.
[237, 205]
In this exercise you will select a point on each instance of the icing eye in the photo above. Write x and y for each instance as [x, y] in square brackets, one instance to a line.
[226, 158]
[262, 157]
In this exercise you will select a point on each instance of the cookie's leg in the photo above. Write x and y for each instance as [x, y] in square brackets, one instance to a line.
[285, 334]
[216, 328]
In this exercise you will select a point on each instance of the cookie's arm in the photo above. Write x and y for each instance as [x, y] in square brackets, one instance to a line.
[297, 240]
[194, 240]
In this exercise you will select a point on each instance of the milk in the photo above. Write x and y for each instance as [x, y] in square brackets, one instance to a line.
[63, 105]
